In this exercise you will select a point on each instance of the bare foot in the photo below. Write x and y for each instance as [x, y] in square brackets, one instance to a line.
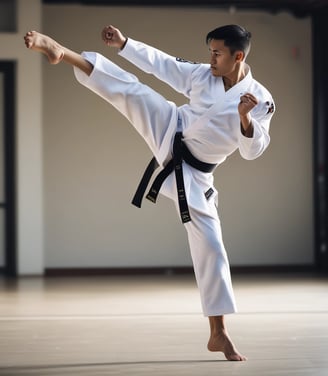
[223, 343]
[42, 43]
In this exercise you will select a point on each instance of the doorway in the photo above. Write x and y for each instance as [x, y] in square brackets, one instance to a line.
[8, 263]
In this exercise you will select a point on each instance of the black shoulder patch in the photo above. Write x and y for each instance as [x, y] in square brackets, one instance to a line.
[180, 60]
[209, 193]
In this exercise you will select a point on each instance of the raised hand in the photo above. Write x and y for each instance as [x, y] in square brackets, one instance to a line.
[246, 104]
[113, 37]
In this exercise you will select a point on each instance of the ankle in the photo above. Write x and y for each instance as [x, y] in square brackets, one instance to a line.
[219, 332]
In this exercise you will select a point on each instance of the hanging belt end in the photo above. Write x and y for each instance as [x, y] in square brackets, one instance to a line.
[151, 197]
[185, 217]
[136, 201]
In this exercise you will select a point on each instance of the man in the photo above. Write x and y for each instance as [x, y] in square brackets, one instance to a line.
[227, 110]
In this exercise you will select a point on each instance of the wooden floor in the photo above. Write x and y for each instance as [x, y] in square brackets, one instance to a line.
[152, 325]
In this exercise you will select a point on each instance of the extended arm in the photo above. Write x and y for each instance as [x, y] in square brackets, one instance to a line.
[175, 72]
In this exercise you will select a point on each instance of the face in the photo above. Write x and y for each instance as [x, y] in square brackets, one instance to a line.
[223, 64]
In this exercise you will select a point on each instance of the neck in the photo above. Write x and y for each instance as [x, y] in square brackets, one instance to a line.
[236, 76]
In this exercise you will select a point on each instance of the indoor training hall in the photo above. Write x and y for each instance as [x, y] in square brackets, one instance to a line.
[91, 285]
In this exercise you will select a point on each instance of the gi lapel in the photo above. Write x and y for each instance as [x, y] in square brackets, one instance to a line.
[231, 95]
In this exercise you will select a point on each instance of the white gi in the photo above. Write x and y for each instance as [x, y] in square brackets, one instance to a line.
[211, 129]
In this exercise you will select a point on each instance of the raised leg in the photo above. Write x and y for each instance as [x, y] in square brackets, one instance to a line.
[56, 52]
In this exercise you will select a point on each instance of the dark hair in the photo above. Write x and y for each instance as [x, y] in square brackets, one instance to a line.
[235, 37]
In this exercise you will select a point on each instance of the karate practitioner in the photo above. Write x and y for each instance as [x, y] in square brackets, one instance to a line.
[227, 110]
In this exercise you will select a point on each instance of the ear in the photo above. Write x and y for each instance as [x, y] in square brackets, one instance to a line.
[239, 56]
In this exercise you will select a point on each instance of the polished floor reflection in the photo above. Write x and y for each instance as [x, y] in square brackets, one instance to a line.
[153, 325]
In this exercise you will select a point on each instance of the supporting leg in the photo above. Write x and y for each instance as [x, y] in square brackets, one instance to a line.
[212, 272]
[220, 340]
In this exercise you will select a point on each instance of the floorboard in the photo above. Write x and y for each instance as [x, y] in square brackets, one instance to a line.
[153, 325]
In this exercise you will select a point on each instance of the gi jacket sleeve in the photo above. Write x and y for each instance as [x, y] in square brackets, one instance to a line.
[173, 71]
[253, 147]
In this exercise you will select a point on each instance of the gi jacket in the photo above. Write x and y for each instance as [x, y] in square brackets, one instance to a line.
[210, 121]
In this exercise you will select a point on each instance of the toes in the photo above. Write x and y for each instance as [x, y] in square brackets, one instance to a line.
[235, 357]
[28, 38]
[28, 43]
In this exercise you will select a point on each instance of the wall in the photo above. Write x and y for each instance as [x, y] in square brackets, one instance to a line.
[2, 197]
[93, 159]
[30, 231]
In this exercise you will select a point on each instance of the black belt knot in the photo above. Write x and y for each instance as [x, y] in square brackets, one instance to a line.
[180, 153]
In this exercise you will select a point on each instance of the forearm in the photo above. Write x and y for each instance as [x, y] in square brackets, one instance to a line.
[251, 147]
[163, 66]
[246, 126]
[255, 119]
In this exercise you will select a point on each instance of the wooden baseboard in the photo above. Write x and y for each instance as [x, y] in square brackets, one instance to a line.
[257, 269]
[54, 272]
[274, 269]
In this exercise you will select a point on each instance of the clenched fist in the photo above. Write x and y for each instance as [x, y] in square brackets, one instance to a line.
[113, 37]
[246, 104]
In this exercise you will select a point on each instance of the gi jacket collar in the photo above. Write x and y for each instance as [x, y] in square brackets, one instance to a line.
[240, 88]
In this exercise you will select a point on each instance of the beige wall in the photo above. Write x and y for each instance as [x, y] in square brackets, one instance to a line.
[29, 158]
[93, 158]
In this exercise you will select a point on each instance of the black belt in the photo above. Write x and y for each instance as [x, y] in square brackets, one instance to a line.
[180, 153]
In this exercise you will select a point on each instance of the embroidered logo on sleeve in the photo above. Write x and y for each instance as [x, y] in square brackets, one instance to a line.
[180, 60]
[270, 107]
[209, 193]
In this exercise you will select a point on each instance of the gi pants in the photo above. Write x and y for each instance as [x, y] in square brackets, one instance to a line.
[156, 120]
